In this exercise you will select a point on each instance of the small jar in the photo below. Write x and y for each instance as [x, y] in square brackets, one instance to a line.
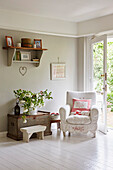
[34, 45]
[18, 44]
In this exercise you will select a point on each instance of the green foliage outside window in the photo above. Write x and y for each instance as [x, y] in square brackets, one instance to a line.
[98, 69]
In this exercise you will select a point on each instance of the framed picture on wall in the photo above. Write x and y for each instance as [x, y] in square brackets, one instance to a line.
[25, 56]
[9, 41]
[57, 71]
[38, 43]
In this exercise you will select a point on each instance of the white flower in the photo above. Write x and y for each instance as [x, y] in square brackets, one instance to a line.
[28, 95]
[40, 105]
[25, 110]
[22, 101]
[37, 95]
[33, 99]
[32, 105]
[43, 97]
[25, 121]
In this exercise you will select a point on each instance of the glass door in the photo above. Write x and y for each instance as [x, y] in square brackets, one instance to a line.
[99, 78]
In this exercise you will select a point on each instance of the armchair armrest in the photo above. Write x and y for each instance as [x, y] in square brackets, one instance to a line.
[94, 113]
[64, 112]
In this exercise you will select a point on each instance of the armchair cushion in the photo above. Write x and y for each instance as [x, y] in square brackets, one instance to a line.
[78, 119]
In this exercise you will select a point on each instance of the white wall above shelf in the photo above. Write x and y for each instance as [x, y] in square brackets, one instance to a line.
[12, 51]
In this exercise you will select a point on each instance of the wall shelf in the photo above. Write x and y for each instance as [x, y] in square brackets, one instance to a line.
[35, 53]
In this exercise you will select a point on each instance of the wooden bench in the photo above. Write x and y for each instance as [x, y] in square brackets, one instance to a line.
[28, 131]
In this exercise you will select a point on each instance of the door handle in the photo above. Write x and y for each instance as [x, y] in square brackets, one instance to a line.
[104, 75]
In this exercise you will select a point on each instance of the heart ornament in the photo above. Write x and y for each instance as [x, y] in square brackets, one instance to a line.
[23, 70]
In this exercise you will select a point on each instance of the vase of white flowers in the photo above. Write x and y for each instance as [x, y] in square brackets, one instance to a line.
[30, 101]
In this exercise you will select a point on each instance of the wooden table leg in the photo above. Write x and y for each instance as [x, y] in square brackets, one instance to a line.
[58, 125]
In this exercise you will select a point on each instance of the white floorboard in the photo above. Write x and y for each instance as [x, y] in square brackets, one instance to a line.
[76, 152]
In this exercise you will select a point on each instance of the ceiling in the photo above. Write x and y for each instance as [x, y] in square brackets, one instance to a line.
[69, 10]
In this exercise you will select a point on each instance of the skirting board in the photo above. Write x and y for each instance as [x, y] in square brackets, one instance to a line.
[3, 134]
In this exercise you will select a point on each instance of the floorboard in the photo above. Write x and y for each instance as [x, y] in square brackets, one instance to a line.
[77, 152]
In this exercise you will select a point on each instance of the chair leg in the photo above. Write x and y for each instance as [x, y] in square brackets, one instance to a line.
[94, 135]
[64, 134]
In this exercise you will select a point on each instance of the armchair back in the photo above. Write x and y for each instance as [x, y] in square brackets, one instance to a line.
[80, 95]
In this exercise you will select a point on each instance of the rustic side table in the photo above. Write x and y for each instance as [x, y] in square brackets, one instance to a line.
[56, 121]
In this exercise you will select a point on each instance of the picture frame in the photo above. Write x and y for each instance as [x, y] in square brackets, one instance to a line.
[57, 71]
[25, 56]
[38, 43]
[9, 41]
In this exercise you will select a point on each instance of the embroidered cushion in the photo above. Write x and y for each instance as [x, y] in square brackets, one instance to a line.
[81, 106]
[78, 119]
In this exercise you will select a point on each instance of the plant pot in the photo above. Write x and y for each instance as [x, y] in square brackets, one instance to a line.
[33, 112]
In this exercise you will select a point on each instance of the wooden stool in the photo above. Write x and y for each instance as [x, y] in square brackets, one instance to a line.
[28, 131]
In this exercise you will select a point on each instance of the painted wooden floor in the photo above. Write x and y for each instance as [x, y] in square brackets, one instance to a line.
[55, 152]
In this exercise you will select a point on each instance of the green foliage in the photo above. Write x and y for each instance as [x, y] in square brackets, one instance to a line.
[98, 69]
[29, 99]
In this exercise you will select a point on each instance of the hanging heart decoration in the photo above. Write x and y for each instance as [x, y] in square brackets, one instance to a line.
[23, 70]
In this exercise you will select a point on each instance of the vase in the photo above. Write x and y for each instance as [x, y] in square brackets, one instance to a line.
[33, 111]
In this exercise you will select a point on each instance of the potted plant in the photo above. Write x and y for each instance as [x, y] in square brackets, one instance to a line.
[30, 100]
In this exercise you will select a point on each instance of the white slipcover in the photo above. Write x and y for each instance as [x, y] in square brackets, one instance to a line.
[78, 119]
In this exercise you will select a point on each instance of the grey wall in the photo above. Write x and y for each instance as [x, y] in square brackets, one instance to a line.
[37, 78]
[80, 63]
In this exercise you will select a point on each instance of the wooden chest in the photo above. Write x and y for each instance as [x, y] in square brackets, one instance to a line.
[16, 122]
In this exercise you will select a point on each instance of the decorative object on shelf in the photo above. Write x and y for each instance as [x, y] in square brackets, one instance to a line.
[30, 100]
[57, 71]
[17, 109]
[23, 70]
[26, 42]
[18, 44]
[34, 45]
[35, 59]
[38, 43]
[9, 41]
[25, 56]
[18, 55]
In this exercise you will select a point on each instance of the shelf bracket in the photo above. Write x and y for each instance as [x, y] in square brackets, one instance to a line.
[10, 54]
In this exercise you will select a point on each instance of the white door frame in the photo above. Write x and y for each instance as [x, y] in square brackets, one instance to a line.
[102, 127]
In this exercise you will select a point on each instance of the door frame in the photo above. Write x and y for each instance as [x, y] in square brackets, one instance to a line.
[102, 127]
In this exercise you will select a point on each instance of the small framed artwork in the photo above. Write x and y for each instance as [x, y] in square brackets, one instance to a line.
[9, 41]
[25, 56]
[57, 71]
[38, 43]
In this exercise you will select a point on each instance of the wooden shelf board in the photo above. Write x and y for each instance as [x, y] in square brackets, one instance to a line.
[25, 48]
[33, 62]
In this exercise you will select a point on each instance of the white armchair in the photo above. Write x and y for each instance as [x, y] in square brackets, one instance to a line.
[80, 124]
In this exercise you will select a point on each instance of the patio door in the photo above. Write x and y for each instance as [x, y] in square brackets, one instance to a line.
[99, 78]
